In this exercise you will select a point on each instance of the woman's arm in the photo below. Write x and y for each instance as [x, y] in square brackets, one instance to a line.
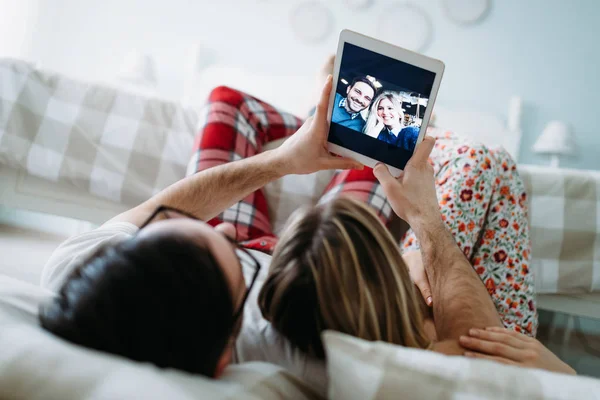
[512, 348]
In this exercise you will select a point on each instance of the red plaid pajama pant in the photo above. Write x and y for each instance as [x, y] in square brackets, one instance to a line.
[481, 195]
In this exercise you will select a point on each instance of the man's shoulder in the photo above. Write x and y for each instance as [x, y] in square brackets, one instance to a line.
[338, 101]
[78, 247]
[339, 113]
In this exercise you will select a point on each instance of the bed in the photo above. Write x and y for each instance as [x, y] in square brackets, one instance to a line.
[65, 150]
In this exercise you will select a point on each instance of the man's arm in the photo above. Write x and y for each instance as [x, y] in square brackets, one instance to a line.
[460, 300]
[208, 193]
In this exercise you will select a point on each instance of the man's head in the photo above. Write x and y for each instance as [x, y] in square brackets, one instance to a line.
[169, 296]
[360, 94]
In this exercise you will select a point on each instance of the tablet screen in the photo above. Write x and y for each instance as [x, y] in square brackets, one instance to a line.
[379, 105]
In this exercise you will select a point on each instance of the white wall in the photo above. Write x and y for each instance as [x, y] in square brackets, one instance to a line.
[543, 50]
[17, 19]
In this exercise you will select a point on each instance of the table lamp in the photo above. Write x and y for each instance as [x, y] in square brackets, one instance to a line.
[556, 140]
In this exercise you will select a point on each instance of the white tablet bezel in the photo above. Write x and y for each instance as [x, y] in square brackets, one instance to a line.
[395, 52]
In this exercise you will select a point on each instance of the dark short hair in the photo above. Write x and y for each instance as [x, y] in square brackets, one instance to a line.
[364, 80]
[161, 299]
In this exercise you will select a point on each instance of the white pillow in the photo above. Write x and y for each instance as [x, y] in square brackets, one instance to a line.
[292, 93]
[36, 365]
[364, 370]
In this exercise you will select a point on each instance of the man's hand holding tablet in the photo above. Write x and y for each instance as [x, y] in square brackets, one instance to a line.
[310, 143]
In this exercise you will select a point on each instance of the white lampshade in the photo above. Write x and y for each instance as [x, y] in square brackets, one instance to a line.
[139, 69]
[556, 139]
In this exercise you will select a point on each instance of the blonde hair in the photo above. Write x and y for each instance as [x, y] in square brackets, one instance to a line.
[337, 267]
[372, 118]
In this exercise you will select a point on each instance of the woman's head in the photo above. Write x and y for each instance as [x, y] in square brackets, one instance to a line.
[337, 267]
[387, 107]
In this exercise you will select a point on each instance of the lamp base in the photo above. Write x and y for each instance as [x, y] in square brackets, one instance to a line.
[554, 160]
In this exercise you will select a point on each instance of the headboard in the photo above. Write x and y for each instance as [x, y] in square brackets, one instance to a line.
[485, 127]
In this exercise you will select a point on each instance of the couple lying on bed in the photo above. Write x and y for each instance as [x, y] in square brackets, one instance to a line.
[385, 119]
[187, 280]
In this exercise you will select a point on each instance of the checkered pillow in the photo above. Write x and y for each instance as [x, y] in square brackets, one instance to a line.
[359, 369]
[564, 217]
[116, 145]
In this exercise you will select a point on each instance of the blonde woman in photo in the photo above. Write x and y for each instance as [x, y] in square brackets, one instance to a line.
[386, 122]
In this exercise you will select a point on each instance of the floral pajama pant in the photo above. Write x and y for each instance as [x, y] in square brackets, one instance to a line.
[481, 196]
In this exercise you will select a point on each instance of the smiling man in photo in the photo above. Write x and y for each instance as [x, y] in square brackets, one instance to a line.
[346, 110]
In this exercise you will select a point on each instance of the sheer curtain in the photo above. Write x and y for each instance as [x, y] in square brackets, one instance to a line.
[17, 23]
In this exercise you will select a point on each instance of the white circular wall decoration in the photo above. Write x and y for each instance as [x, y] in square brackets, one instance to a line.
[405, 25]
[311, 21]
[358, 4]
[466, 11]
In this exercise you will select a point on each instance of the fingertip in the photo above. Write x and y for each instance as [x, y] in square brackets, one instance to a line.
[321, 108]
[429, 141]
[228, 229]
[327, 83]
[378, 167]
[429, 301]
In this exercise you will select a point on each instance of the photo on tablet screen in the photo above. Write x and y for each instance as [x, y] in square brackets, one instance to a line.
[382, 99]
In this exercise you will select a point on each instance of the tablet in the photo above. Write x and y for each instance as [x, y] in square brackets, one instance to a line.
[381, 100]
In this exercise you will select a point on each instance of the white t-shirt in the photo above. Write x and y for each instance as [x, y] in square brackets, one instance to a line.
[258, 340]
